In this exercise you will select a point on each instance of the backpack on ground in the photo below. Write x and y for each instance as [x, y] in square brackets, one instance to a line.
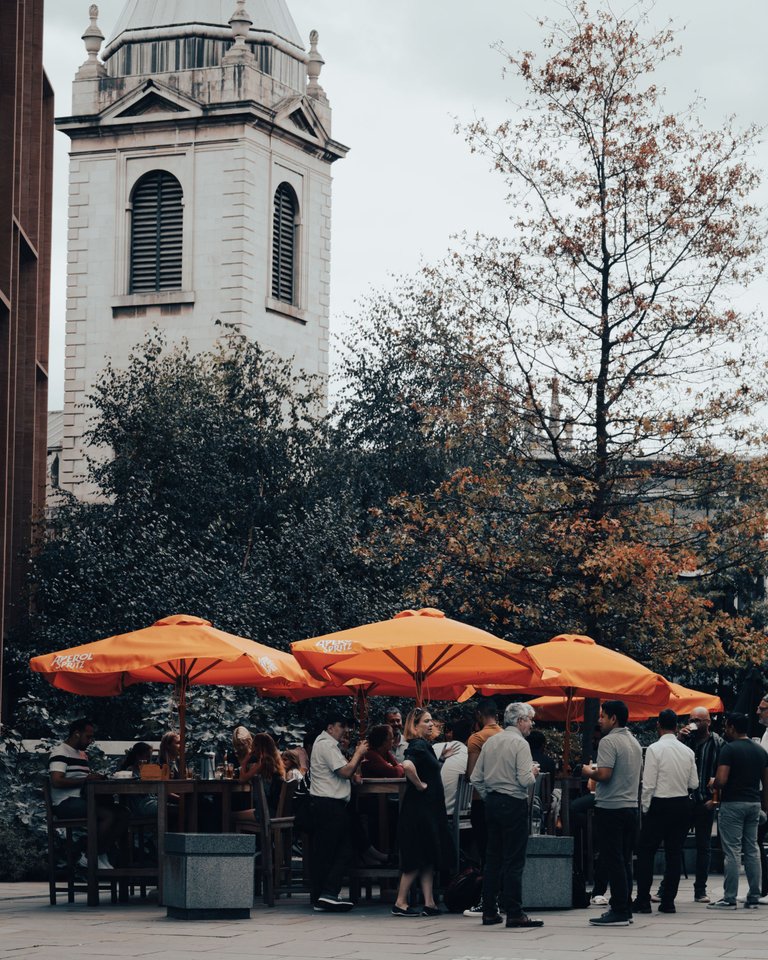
[464, 891]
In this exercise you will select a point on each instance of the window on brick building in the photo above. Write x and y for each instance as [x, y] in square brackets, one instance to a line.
[285, 245]
[157, 222]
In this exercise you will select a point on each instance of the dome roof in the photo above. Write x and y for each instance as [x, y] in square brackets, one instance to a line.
[269, 16]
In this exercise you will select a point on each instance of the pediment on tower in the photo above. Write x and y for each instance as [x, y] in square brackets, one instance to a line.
[297, 115]
[153, 101]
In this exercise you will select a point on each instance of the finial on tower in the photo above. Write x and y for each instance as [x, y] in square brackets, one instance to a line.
[315, 64]
[93, 39]
[241, 24]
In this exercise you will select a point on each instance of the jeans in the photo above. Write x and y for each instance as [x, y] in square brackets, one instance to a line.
[615, 831]
[506, 820]
[331, 846]
[666, 821]
[737, 824]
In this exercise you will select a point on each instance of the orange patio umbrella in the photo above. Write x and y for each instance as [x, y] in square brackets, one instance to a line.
[421, 650]
[578, 667]
[180, 650]
[681, 699]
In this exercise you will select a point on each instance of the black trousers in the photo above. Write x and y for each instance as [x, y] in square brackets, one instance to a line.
[331, 846]
[506, 821]
[479, 829]
[701, 820]
[580, 808]
[615, 832]
[666, 822]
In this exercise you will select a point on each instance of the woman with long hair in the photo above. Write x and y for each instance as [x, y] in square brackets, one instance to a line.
[170, 746]
[424, 837]
[264, 761]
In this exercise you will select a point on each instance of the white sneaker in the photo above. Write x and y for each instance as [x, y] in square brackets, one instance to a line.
[83, 861]
[476, 911]
[598, 901]
[763, 900]
[103, 863]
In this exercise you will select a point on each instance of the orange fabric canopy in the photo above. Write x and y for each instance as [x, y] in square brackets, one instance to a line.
[682, 700]
[421, 650]
[181, 650]
[578, 666]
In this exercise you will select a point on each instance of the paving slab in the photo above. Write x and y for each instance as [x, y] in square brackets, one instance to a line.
[31, 928]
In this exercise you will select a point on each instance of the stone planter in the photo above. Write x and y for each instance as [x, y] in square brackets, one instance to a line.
[208, 876]
[548, 871]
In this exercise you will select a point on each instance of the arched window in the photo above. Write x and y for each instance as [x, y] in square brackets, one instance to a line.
[284, 245]
[157, 222]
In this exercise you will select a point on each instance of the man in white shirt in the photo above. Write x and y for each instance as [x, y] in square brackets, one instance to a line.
[454, 765]
[669, 776]
[330, 789]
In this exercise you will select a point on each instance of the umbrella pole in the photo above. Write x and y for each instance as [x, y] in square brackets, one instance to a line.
[182, 690]
[361, 702]
[567, 736]
[419, 679]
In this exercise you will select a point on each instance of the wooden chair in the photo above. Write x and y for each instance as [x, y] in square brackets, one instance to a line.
[275, 837]
[62, 880]
[460, 819]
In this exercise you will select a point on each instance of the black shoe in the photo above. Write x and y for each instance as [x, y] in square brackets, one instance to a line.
[408, 912]
[611, 919]
[524, 921]
[491, 919]
[667, 908]
[642, 907]
[431, 911]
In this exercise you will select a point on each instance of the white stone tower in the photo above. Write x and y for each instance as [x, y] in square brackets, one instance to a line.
[200, 190]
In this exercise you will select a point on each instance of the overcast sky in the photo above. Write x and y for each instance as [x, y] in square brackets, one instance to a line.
[399, 75]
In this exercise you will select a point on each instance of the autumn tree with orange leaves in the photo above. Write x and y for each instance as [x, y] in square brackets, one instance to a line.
[616, 481]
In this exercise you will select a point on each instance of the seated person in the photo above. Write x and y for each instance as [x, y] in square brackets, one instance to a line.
[457, 732]
[70, 770]
[169, 753]
[142, 805]
[379, 760]
[265, 761]
[296, 763]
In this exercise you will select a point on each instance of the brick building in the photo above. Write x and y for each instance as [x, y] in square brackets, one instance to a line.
[26, 176]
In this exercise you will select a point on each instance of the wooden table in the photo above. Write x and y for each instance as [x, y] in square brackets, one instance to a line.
[163, 790]
[383, 789]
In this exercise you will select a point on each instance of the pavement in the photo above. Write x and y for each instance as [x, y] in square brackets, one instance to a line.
[30, 927]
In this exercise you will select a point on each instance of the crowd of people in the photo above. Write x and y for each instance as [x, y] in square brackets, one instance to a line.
[687, 777]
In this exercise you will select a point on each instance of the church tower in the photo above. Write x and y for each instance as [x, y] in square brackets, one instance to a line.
[200, 190]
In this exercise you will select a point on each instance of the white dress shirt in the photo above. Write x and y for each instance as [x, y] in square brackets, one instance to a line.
[450, 771]
[670, 770]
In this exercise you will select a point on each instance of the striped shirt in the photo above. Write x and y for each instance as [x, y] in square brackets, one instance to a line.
[73, 764]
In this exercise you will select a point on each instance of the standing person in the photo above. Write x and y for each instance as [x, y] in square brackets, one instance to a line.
[502, 775]
[424, 838]
[668, 777]
[456, 732]
[330, 790]
[742, 774]
[399, 745]
[487, 721]
[706, 745]
[762, 715]
[616, 773]
[70, 770]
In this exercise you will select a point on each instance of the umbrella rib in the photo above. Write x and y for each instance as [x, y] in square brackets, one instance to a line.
[166, 673]
[196, 676]
[439, 657]
[399, 662]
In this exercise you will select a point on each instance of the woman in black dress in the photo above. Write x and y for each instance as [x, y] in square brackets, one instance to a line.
[424, 837]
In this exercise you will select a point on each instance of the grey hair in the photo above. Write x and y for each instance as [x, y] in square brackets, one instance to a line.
[517, 711]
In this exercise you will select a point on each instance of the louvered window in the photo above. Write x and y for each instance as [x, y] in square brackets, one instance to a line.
[157, 223]
[284, 245]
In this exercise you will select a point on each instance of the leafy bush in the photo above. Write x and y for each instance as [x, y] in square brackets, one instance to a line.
[23, 835]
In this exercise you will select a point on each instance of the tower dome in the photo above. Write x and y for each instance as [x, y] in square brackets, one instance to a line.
[167, 36]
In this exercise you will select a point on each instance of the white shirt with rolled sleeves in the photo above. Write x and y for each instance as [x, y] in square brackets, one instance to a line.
[325, 760]
[669, 771]
[505, 765]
